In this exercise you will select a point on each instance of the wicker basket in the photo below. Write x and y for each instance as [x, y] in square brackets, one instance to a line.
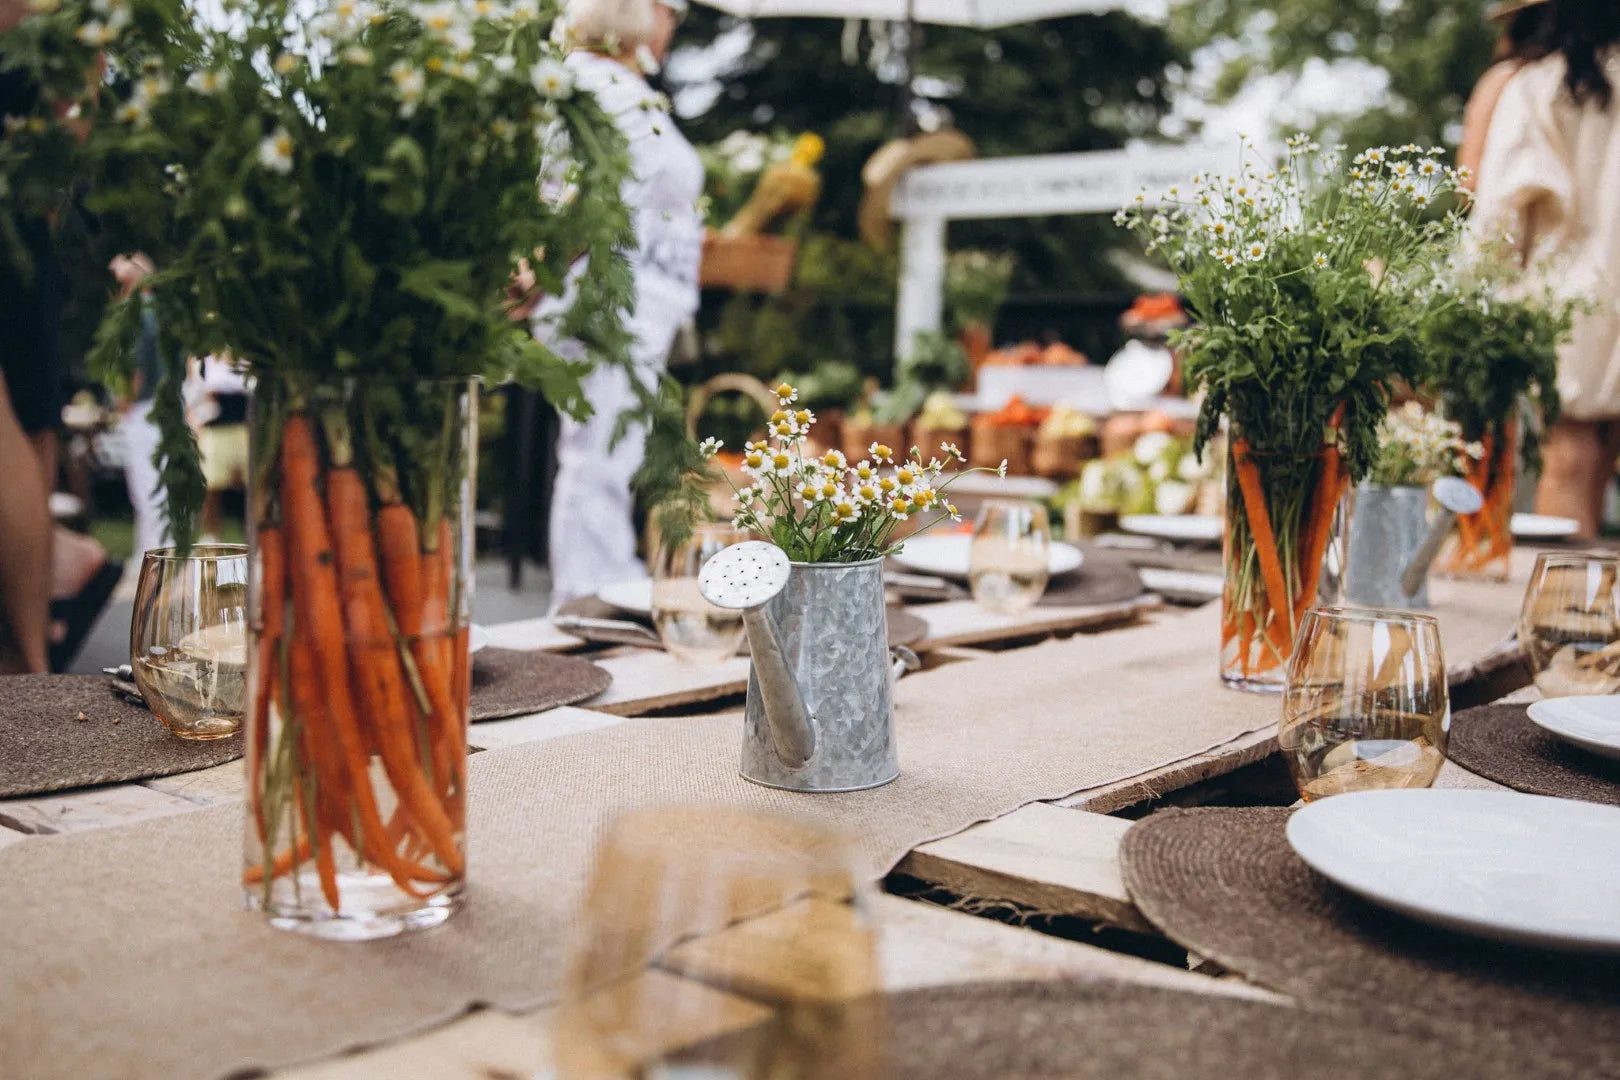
[747, 263]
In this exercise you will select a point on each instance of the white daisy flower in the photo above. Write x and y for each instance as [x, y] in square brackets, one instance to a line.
[1319, 260]
[845, 511]
[880, 453]
[95, 34]
[900, 508]
[710, 447]
[865, 492]
[276, 151]
[1255, 251]
[1001, 470]
[208, 82]
[951, 451]
[551, 78]
[786, 394]
[834, 460]
[411, 83]
[504, 64]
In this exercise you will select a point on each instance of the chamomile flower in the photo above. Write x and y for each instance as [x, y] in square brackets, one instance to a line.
[552, 79]
[905, 476]
[845, 511]
[786, 394]
[504, 64]
[285, 64]
[865, 492]
[208, 82]
[276, 151]
[880, 453]
[95, 34]
[358, 55]
[710, 447]
[1255, 251]
[951, 452]
[865, 471]
[411, 83]
[1001, 470]
[900, 508]
[1428, 167]
[950, 508]
[834, 460]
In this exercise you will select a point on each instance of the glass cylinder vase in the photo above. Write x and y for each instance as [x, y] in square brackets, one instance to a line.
[1282, 553]
[359, 503]
[1481, 547]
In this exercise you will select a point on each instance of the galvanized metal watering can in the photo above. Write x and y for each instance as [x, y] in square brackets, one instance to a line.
[820, 713]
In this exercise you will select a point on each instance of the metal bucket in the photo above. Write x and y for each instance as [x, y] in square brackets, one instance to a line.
[1387, 528]
[830, 649]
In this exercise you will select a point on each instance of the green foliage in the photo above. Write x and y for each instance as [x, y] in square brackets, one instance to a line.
[1492, 352]
[347, 198]
[976, 284]
[1432, 51]
[935, 362]
[1088, 82]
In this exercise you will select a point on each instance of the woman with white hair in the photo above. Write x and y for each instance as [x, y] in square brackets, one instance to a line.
[616, 44]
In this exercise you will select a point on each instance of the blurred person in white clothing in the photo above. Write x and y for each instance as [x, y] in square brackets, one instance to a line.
[617, 43]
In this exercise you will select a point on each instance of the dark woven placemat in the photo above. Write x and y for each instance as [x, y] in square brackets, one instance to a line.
[1105, 577]
[1500, 743]
[516, 682]
[45, 747]
[1225, 884]
[1098, 1030]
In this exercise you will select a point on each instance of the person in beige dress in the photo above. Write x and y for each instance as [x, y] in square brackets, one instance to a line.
[1520, 24]
[1549, 180]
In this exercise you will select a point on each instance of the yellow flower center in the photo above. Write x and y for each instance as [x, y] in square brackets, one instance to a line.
[784, 390]
[778, 416]
[829, 489]
[905, 476]
[886, 484]
[901, 506]
[434, 64]
[831, 460]
[802, 416]
[755, 460]
[780, 461]
[868, 492]
[883, 453]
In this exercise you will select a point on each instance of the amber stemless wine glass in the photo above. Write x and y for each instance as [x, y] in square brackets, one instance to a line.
[1008, 566]
[690, 627]
[1570, 626]
[724, 943]
[188, 638]
[1367, 705]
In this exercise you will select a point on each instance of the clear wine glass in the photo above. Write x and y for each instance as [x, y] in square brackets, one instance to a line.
[1009, 563]
[188, 638]
[725, 943]
[1570, 624]
[690, 627]
[1367, 704]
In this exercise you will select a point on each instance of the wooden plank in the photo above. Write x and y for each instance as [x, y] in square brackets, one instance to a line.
[205, 787]
[492, 1045]
[646, 680]
[1042, 858]
[963, 622]
[780, 957]
[552, 724]
[541, 635]
[93, 808]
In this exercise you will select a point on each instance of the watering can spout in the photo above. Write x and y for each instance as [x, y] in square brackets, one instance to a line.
[793, 729]
[746, 577]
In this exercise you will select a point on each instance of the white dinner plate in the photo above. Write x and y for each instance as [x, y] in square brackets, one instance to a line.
[632, 597]
[1183, 528]
[948, 555]
[477, 638]
[1591, 723]
[1543, 527]
[1512, 867]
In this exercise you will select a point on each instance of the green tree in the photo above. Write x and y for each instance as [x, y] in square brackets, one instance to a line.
[1431, 50]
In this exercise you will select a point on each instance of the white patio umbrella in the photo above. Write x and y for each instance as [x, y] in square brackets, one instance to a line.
[984, 14]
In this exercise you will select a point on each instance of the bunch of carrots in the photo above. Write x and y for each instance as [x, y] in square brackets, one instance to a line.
[358, 723]
[1274, 557]
[1486, 537]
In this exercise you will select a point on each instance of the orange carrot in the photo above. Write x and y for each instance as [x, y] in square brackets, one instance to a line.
[432, 650]
[272, 607]
[281, 865]
[1318, 528]
[374, 663]
[319, 837]
[317, 607]
[401, 556]
[1265, 542]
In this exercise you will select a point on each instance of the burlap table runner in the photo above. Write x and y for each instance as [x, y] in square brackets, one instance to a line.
[44, 746]
[517, 682]
[1500, 743]
[1225, 884]
[1099, 1030]
[101, 925]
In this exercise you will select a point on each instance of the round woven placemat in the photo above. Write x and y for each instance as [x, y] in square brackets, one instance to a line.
[515, 682]
[1099, 1030]
[45, 747]
[1500, 743]
[1225, 884]
[1105, 577]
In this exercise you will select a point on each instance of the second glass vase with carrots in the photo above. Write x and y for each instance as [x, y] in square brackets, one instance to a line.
[358, 663]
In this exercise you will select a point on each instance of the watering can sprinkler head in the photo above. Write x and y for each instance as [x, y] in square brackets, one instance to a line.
[745, 577]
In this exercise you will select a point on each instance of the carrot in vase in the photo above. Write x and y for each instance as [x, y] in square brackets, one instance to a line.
[374, 663]
[318, 609]
[1265, 542]
[273, 607]
[433, 652]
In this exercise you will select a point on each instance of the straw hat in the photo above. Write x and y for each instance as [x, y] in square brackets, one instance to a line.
[1503, 8]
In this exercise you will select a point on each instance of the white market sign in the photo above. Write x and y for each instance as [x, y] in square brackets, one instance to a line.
[1098, 182]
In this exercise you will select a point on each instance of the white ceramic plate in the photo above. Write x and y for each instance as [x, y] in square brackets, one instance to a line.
[1543, 527]
[1184, 528]
[477, 638]
[1517, 868]
[633, 597]
[948, 555]
[1591, 723]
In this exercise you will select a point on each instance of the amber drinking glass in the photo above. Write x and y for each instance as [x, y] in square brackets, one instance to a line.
[1366, 704]
[721, 943]
[188, 638]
